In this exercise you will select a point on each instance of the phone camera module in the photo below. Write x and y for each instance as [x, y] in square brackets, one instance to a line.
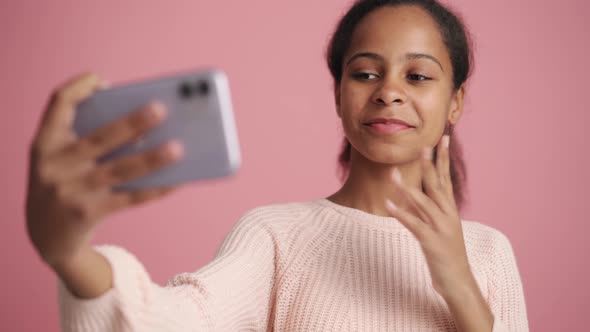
[203, 88]
[185, 90]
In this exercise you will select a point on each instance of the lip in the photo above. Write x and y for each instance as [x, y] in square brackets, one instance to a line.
[388, 121]
[388, 126]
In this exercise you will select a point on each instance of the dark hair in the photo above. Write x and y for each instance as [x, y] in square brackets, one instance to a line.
[458, 43]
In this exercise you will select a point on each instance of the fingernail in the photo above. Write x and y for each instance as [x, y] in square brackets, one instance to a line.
[397, 177]
[446, 140]
[427, 153]
[104, 85]
[389, 205]
[174, 149]
[157, 110]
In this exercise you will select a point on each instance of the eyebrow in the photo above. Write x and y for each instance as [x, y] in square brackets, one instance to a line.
[407, 56]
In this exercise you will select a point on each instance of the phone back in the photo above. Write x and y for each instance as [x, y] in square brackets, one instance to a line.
[200, 116]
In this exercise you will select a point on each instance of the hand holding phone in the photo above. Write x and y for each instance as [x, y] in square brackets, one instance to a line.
[200, 117]
[68, 191]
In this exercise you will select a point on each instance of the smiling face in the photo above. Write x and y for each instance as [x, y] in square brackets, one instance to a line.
[396, 67]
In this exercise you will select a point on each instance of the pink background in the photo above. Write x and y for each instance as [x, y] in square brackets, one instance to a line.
[523, 133]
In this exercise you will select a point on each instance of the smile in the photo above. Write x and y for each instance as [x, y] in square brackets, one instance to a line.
[388, 128]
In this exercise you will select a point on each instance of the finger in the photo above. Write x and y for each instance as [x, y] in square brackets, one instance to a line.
[443, 164]
[426, 207]
[406, 192]
[413, 224]
[107, 138]
[92, 206]
[124, 199]
[121, 170]
[58, 117]
[432, 182]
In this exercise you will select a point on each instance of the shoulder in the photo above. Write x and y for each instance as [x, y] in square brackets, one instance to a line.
[485, 240]
[273, 226]
[289, 210]
[277, 216]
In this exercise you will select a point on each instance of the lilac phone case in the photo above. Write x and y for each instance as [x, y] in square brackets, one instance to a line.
[202, 121]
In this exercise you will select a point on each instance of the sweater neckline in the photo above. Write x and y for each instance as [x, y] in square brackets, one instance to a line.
[361, 216]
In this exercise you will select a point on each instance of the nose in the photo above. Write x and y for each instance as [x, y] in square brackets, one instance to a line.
[388, 92]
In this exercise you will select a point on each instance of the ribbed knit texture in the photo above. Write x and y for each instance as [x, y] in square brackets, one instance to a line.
[306, 266]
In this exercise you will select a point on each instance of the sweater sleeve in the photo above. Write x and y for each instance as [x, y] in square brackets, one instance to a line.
[506, 294]
[231, 293]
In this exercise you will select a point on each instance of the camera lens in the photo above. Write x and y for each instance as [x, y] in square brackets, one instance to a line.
[203, 88]
[185, 90]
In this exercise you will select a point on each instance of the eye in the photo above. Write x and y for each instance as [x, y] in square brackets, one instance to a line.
[418, 77]
[364, 76]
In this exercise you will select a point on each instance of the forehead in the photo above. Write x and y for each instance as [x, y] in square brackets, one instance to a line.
[395, 30]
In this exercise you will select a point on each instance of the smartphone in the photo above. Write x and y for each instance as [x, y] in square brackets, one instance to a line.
[200, 117]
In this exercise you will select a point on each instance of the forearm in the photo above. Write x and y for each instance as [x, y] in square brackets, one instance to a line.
[86, 276]
[469, 309]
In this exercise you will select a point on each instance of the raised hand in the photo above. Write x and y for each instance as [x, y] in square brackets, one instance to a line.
[435, 222]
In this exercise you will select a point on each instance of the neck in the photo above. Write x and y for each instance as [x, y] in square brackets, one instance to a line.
[370, 183]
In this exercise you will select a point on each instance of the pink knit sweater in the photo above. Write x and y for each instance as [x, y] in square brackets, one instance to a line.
[309, 266]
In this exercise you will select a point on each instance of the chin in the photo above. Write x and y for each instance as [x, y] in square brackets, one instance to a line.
[386, 153]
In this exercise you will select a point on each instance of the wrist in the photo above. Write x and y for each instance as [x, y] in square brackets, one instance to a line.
[462, 295]
[86, 275]
[460, 289]
[72, 262]
[469, 308]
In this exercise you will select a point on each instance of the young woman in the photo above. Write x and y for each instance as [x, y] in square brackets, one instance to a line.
[386, 252]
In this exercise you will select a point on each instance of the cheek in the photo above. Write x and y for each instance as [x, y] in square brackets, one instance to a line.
[351, 101]
[428, 99]
[432, 109]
